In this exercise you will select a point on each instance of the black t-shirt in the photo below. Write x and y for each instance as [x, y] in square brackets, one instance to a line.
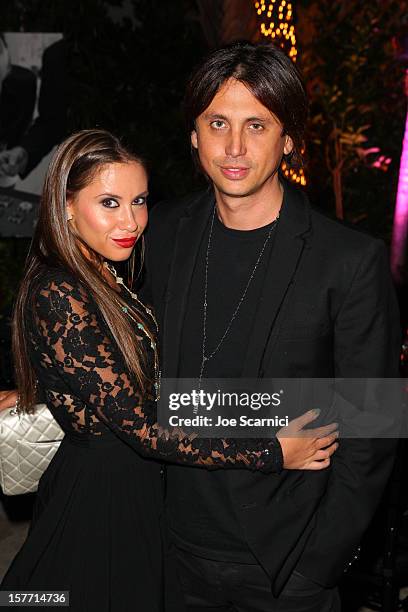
[202, 515]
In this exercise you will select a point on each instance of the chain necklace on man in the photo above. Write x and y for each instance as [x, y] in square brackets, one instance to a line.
[206, 356]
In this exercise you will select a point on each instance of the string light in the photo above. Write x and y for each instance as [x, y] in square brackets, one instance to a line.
[296, 176]
[281, 30]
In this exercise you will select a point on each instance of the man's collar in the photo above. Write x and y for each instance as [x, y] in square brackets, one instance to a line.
[294, 214]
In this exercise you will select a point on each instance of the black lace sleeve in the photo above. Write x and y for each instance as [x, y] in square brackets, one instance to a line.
[77, 344]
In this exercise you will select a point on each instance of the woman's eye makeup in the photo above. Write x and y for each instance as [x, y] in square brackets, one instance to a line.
[140, 200]
[112, 203]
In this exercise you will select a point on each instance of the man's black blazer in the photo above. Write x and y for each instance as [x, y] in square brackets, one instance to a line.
[50, 127]
[17, 103]
[328, 309]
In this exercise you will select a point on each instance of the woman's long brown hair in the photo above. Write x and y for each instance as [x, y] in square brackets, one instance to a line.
[72, 168]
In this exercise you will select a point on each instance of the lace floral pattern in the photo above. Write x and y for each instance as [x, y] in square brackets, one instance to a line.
[88, 388]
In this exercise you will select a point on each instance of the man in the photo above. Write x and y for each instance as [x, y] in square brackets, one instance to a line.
[28, 148]
[18, 87]
[248, 281]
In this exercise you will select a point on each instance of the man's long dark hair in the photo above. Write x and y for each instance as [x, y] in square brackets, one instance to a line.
[267, 72]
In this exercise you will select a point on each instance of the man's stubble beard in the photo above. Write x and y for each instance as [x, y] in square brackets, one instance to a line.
[246, 192]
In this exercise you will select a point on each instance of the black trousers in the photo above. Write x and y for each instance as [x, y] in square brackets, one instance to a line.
[217, 586]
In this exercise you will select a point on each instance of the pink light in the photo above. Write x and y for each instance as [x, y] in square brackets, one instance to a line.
[400, 226]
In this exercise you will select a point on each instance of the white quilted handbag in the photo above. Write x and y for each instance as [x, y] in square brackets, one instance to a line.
[27, 445]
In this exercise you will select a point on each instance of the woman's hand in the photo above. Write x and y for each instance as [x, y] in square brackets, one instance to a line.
[8, 399]
[308, 449]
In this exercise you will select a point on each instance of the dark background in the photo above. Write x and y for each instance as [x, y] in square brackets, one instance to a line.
[128, 63]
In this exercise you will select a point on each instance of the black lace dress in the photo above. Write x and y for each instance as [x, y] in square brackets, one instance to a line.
[97, 525]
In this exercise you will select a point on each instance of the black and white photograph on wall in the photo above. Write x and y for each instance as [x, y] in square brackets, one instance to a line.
[32, 122]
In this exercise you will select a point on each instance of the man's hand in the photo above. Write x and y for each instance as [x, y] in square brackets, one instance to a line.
[13, 161]
[308, 449]
[8, 399]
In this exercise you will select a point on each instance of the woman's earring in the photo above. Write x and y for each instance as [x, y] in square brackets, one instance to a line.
[69, 217]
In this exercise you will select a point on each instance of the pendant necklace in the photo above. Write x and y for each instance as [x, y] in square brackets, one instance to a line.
[119, 281]
[205, 355]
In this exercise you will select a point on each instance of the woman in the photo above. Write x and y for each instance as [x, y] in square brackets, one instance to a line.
[88, 345]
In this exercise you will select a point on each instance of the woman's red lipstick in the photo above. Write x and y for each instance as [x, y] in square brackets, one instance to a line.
[125, 243]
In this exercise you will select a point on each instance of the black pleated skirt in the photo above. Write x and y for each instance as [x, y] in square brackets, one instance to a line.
[96, 530]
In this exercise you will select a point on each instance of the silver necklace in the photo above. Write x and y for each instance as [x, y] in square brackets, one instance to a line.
[119, 281]
[205, 357]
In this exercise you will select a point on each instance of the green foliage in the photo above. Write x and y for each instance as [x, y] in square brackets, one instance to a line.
[357, 106]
